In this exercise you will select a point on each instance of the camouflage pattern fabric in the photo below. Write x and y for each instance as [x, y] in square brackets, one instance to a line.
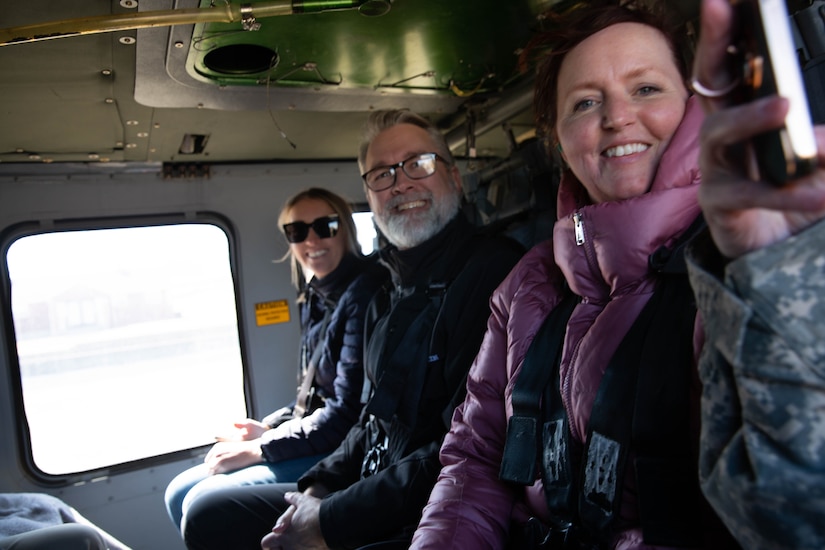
[762, 463]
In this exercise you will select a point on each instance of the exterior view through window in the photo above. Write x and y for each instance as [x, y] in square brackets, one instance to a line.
[124, 336]
[366, 231]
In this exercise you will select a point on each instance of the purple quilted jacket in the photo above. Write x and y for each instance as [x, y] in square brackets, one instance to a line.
[469, 507]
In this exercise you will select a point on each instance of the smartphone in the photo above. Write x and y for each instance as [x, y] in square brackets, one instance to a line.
[769, 64]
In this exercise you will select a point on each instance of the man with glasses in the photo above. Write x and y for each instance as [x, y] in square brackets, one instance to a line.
[421, 336]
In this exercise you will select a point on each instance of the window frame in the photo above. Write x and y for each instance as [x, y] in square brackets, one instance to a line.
[21, 431]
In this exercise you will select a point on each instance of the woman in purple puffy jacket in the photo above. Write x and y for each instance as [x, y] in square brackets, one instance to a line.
[611, 98]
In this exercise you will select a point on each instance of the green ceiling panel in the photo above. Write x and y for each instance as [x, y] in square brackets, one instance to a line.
[426, 46]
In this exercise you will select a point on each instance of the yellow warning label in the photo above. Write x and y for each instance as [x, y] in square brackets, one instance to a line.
[271, 313]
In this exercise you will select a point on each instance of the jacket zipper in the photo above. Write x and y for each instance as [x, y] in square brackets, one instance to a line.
[579, 228]
[592, 264]
[581, 240]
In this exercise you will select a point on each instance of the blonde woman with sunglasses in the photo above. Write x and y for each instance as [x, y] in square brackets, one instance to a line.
[335, 283]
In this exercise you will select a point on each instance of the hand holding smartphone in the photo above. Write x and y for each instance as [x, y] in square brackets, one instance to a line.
[765, 52]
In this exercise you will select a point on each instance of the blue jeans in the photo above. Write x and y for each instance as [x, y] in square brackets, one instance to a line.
[190, 484]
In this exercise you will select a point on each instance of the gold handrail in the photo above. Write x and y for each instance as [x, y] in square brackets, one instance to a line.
[224, 13]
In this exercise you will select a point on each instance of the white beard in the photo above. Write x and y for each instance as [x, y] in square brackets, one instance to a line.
[409, 230]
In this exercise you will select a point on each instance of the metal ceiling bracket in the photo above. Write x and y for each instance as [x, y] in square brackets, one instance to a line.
[248, 21]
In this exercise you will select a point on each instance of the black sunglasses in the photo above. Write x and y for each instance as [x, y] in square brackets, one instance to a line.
[325, 227]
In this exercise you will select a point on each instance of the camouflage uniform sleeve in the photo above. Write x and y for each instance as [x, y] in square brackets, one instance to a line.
[762, 463]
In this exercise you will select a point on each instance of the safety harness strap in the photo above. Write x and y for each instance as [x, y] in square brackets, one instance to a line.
[641, 410]
[521, 454]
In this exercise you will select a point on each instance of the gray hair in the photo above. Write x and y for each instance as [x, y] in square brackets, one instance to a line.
[379, 121]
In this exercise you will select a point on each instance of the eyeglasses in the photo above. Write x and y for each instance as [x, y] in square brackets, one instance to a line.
[325, 227]
[416, 167]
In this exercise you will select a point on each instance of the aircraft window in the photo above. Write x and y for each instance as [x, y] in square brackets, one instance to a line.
[123, 336]
[366, 231]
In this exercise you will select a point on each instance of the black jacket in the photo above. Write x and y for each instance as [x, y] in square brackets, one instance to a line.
[339, 374]
[415, 411]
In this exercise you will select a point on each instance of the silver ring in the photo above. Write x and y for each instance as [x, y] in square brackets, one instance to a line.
[700, 89]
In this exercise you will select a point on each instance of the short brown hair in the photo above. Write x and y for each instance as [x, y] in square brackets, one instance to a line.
[569, 29]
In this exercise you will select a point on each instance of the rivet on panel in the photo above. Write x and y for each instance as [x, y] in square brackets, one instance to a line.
[127, 40]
